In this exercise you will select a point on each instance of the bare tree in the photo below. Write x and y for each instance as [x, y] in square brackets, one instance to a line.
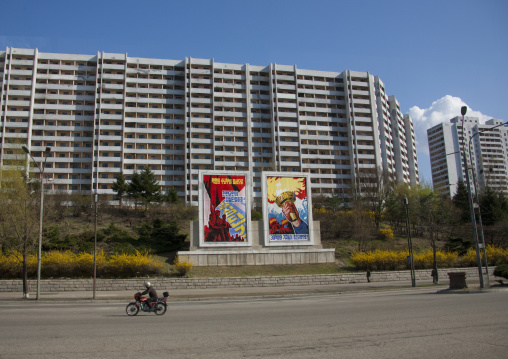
[373, 189]
[434, 217]
[19, 219]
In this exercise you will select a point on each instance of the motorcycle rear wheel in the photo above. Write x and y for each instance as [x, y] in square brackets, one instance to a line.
[160, 308]
[132, 309]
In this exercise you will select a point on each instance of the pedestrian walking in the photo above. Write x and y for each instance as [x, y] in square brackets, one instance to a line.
[434, 276]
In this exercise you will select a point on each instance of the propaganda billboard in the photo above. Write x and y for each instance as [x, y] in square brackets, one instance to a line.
[224, 212]
[287, 209]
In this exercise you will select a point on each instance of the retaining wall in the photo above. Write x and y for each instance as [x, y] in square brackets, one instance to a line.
[61, 285]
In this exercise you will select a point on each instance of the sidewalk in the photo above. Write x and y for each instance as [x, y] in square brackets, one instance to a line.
[259, 292]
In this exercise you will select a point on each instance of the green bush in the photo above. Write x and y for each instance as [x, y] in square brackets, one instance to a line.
[459, 245]
[161, 236]
[502, 271]
[256, 216]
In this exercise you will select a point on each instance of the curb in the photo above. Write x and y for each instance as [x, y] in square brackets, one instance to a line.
[230, 296]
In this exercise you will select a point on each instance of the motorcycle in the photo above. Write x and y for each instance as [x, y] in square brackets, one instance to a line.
[158, 306]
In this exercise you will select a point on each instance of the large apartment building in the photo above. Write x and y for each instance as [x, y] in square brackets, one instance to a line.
[486, 150]
[106, 113]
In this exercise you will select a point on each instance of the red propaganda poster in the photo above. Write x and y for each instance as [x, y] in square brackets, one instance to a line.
[224, 209]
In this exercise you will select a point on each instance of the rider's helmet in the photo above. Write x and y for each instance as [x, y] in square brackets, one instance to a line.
[147, 284]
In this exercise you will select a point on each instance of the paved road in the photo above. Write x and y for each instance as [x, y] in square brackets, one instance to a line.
[413, 324]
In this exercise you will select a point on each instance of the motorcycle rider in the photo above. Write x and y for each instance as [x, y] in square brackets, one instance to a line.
[150, 290]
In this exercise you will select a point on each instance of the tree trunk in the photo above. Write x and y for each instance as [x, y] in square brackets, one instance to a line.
[435, 262]
[25, 269]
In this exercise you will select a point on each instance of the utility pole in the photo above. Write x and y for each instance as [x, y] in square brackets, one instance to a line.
[463, 111]
[410, 244]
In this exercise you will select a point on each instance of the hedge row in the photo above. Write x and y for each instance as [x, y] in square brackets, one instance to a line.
[397, 260]
[56, 264]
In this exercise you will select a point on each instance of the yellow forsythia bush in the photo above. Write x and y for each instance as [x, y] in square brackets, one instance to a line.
[386, 233]
[379, 260]
[11, 267]
[496, 255]
[425, 260]
[182, 268]
[128, 265]
[391, 260]
[56, 264]
[84, 264]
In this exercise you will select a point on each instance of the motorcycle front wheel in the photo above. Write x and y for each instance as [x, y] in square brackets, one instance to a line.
[160, 308]
[132, 309]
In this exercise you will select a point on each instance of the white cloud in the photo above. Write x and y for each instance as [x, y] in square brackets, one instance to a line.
[440, 111]
[24, 42]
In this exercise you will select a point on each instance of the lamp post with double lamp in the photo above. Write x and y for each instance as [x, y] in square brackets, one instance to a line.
[41, 211]
[478, 201]
[467, 167]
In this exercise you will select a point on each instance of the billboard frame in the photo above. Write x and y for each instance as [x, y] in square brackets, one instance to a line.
[269, 207]
[206, 211]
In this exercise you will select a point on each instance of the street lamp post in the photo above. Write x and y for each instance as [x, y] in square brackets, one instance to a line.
[482, 238]
[463, 111]
[410, 244]
[95, 248]
[41, 211]
[477, 200]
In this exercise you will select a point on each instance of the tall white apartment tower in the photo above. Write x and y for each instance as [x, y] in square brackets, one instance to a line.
[486, 150]
[104, 114]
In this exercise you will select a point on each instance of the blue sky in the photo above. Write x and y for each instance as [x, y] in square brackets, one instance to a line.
[434, 56]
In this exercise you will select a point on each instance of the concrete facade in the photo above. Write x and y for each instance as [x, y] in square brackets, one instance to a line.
[259, 253]
[105, 114]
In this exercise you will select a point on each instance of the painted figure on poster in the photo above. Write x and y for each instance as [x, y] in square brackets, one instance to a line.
[288, 212]
[286, 201]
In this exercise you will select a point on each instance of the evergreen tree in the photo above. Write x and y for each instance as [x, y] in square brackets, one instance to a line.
[494, 207]
[144, 187]
[135, 188]
[120, 187]
[172, 195]
[459, 245]
[461, 201]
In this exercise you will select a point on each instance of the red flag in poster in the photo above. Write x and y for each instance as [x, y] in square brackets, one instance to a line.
[224, 208]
